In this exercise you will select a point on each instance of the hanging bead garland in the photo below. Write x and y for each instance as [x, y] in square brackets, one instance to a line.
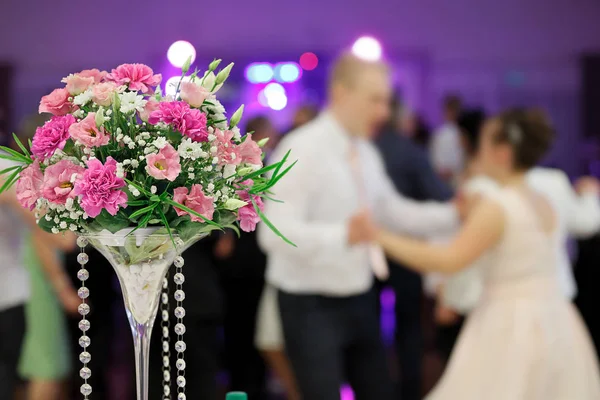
[166, 350]
[84, 325]
[180, 345]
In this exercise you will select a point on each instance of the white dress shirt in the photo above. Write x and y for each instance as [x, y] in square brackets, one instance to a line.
[446, 149]
[320, 194]
[577, 216]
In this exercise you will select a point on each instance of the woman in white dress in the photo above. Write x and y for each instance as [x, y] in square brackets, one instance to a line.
[524, 340]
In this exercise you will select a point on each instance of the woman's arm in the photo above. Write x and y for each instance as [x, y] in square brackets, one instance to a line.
[482, 230]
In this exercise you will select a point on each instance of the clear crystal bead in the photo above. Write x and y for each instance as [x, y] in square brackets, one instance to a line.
[85, 357]
[179, 295]
[165, 298]
[165, 283]
[165, 332]
[166, 361]
[81, 241]
[180, 329]
[180, 346]
[83, 309]
[84, 325]
[85, 373]
[181, 396]
[84, 341]
[179, 261]
[165, 315]
[83, 258]
[181, 381]
[166, 376]
[179, 242]
[86, 389]
[180, 312]
[83, 293]
[83, 274]
[167, 390]
[180, 364]
[165, 346]
[179, 278]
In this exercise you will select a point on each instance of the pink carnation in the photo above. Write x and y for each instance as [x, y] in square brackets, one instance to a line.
[190, 122]
[51, 136]
[227, 151]
[56, 103]
[151, 106]
[59, 181]
[29, 185]
[193, 94]
[164, 165]
[100, 188]
[87, 133]
[137, 76]
[250, 152]
[195, 200]
[104, 93]
[247, 215]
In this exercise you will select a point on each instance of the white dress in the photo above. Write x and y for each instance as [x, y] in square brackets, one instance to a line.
[524, 340]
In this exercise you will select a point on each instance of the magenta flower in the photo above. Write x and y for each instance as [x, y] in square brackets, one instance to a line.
[164, 165]
[195, 200]
[56, 103]
[87, 133]
[250, 152]
[247, 215]
[228, 152]
[51, 136]
[59, 181]
[138, 77]
[190, 122]
[99, 189]
[29, 185]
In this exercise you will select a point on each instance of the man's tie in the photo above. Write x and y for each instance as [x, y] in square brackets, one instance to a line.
[376, 255]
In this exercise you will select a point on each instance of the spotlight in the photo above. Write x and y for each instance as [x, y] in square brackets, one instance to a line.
[287, 72]
[277, 101]
[259, 73]
[309, 61]
[367, 48]
[274, 89]
[179, 52]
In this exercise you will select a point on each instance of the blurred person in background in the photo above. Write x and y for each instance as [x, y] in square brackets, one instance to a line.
[303, 115]
[524, 340]
[410, 125]
[445, 147]
[413, 176]
[242, 265]
[587, 276]
[327, 301]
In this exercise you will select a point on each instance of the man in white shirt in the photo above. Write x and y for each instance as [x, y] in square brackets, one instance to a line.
[578, 216]
[327, 304]
[447, 154]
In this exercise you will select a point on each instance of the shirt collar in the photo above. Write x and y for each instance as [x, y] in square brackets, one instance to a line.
[337, 135]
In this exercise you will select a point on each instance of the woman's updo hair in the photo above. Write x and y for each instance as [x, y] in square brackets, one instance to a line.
[528, 132]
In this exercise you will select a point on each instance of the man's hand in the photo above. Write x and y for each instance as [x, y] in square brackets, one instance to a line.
[361, 229]
[224, 246]
[587, 184]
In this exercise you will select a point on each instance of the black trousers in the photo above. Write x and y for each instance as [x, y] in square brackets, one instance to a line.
[330, 340]
[12, 331]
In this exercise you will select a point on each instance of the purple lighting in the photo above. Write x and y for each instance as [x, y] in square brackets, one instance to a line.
[179, 52]
[367, 48]
[259, 73]
[287, 72]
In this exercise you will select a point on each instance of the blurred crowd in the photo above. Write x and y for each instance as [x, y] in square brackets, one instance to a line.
[296, 323]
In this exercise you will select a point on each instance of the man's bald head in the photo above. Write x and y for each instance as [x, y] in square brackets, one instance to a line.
[359, 93]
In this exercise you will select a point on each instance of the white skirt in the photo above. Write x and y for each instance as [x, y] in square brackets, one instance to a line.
[269, 334]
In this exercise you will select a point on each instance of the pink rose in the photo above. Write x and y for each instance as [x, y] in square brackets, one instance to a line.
[195, 200]
[77, 84]
[250, 152]
[136, 76]
[247, 215]
[227, 151]
[51, 136]
[193, 94]
[99, 188]
[149, 108]
[87, 133]
[29, 185]
[164, 165]
[190, 122]
[56, 103]
[59, 181]
[103, 93]
[93, 73]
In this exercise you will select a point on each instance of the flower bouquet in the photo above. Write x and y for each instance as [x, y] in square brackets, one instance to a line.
[141, 176]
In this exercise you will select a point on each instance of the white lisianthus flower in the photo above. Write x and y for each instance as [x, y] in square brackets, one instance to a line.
[189, 149]
[131, 101]
[229, 171]
[83, 98]
[160, 142]
[237, 135]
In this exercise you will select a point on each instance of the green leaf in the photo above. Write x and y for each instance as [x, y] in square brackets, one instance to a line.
[276, 179]
[138, 187]
[166, 224]
[266, 221]
[136, 203]
[10, 181]
[188, 229]
[46, 225]
[4, 171]
[144, 210]
[14, 155]
[260, 171]
[111, 223]
[280, 163]
[25, 151]
[192, 212]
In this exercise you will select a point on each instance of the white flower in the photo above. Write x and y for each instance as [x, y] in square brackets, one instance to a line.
[108, 112]
[55, 230]
[211, 137]
[79, 113]
[153, 189]
[120, 170]
[208, 168]
[135, 163]
[126, 162]
[73, 215]
[190, 150]
[48, 218]
[63, 225]
[131, 145]
[56, 220]
[149, 150]
[83, 98]
[160, 142]
[142, 143]
[73, 227]
[237, 135]
[127, 140]
[191, 175]
[229, 171]
[69, 204]
[210, 187]
[131, 101]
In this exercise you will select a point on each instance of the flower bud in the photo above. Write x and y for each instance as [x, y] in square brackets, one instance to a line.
[236, 117]
[224, 74]
[214, 65]
[234, 204]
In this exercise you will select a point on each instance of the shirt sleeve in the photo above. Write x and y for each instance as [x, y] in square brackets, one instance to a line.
[318, 240]
[584, 218]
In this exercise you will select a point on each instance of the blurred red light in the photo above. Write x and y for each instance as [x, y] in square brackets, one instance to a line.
[309, 61]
